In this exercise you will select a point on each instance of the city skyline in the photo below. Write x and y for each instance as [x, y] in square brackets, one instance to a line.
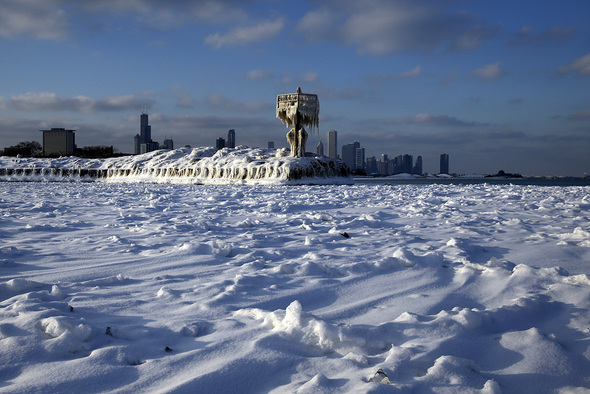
[496, 85]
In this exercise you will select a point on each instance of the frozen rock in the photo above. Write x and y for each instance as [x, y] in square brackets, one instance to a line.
[380, 377]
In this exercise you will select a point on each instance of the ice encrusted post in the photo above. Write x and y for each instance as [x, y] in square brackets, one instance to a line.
[298, 110]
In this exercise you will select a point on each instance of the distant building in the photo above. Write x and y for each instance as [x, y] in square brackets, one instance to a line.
[59, 142]
[148, 147]
[271, 144]
[168, 144]
[418, 166]
[333, 144]
[385, 166]
[371, 167]
[231, 139]
[136, 144]
[398, 164]
[144, 128]
[142, 142]
[349, 154]
[320, 148]
[359, 159]
[444, 163]
[220, 143]
[407, 163]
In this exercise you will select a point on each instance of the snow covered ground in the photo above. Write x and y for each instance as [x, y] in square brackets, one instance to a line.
[110, 287]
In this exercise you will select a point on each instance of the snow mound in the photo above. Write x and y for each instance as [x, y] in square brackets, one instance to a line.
[297, 325]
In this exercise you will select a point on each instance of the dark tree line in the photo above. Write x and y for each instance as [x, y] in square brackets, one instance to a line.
[25, 149]
[99, 151]
[34, 149]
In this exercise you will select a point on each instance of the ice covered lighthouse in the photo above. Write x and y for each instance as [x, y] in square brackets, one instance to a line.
[298, 110]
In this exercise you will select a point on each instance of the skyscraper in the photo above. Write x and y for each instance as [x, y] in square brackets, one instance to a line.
[220, 143]
[231, 139]
[359, 159]
[408, 163]
[142, 142]
[145, 130]
[418, 166]
[349, 154]
[371, 165]
[320, 148]
[168, 143]
[444, 163]
[332, 144]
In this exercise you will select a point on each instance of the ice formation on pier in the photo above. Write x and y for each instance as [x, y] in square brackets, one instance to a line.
[308, 107]
[241, 165]
[298, 110]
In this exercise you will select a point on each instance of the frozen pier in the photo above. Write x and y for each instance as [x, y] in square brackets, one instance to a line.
[185, 165]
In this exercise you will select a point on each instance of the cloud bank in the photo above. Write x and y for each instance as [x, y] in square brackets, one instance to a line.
[380, 27]
[51, 102]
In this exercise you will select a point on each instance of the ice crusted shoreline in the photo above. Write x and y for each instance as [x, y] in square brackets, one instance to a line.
[207, 166]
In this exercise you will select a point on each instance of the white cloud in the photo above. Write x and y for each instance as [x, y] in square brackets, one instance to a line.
[318, 24]
[36, 101]
[170, 13]
[381, 27]
[411, 73]
[246, 35]
[115, 103]
[580, 66]
[220, 102]
[491, 71]
[40, 19]
[51, 102]
[309, 77]
[48, 19]
[258, 75]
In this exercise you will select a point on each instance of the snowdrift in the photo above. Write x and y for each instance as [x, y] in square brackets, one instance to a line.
[152, 288]
[186, 166]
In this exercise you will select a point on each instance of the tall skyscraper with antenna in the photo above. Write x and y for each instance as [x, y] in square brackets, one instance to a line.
[145, 130]
[142, 142]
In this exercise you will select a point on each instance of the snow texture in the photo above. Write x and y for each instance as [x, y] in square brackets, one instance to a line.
[130, 287]
[242, 165]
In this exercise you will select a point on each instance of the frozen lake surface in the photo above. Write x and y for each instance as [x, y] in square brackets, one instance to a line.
[182, 288]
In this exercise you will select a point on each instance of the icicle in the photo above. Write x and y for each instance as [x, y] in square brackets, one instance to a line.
[307, 105]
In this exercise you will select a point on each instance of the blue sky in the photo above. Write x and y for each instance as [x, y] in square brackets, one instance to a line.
[498, 85]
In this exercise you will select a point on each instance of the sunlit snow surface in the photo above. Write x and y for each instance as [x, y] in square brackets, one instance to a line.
[214, 289]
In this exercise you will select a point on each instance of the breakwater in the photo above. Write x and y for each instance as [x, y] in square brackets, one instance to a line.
[244, 166]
